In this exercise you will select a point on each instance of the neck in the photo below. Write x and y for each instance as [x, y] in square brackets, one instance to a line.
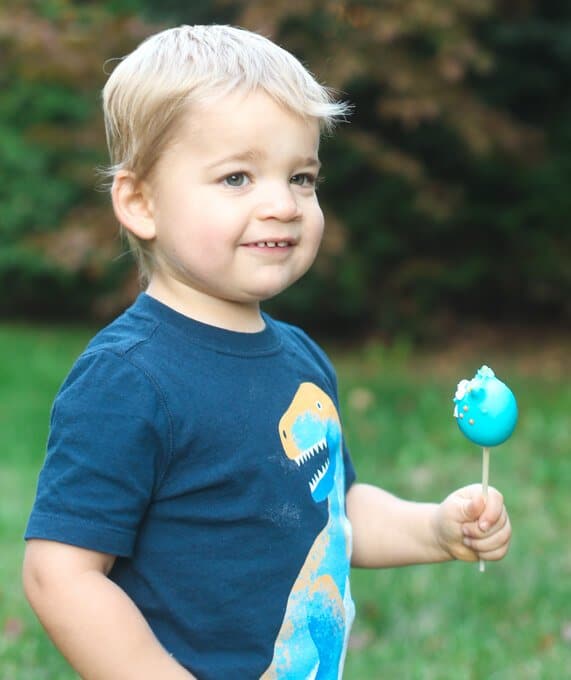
[227, 314]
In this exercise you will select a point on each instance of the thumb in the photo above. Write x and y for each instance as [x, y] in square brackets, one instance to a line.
[472, 508]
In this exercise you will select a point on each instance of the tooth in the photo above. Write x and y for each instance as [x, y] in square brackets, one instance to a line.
[261, 244]
[271, 244]
[282, 244]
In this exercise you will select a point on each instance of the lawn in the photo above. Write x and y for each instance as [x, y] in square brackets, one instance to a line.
[440, 622]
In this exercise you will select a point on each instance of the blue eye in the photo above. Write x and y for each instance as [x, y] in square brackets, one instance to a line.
[236, 179]
[303, 179]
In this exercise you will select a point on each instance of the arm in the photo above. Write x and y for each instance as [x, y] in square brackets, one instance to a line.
[391, 532]
[95, 625]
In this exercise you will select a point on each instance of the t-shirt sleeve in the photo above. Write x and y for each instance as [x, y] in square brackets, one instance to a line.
[108, 446]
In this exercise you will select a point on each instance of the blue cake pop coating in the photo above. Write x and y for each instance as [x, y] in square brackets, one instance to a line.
[485, 408]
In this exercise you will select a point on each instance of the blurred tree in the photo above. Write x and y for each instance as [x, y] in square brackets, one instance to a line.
[176, 12]
[479, 224]
[532, 48]
[398, 177]
[433, 193]
[58, 252]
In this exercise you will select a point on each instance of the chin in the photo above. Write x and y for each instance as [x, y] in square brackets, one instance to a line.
[272, 292]
[273, 286]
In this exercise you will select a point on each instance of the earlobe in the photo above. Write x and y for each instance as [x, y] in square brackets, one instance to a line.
[133, 205]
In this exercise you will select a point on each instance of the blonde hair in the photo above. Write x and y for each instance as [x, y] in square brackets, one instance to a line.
[151, 87]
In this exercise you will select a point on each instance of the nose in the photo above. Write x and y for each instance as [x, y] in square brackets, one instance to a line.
[279, 202]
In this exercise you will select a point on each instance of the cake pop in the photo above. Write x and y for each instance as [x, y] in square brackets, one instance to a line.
[486, 412]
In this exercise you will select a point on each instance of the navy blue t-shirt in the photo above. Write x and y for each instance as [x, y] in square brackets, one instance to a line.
[212, 464]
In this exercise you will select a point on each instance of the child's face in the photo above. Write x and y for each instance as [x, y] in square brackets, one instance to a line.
[233, 203]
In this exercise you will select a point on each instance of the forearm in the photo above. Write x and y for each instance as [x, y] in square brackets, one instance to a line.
[389, 531]
[98, 628]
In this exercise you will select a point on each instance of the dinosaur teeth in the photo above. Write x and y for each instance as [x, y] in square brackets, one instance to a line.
[318, 476]
[311, 451]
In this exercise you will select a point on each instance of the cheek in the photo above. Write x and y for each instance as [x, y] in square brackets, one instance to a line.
[187, 223]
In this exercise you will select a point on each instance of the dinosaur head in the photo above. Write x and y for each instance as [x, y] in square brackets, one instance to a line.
[310, 433]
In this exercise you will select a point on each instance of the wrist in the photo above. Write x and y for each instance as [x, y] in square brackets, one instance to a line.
[440, 544]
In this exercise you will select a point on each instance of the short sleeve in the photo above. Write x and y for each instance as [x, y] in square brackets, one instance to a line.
[108, 447]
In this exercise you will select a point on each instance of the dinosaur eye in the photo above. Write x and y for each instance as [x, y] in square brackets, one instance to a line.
[318, 404]
[284, 434]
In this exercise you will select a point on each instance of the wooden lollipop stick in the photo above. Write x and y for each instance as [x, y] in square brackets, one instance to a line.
[485, 479]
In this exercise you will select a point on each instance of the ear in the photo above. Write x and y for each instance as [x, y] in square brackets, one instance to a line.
[133, 205]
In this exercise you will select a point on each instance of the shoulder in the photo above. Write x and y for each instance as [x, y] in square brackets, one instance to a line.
[112, 373]
[133, 329]
[110, 408]
[128, 345]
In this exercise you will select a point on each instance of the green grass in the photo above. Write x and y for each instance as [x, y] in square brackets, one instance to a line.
[438, 622]
[34, 361]
[445, 622]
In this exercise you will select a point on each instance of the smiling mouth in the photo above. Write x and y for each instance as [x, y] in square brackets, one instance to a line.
[269, 244]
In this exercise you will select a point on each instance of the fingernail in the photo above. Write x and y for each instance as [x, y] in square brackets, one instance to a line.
[484, 526]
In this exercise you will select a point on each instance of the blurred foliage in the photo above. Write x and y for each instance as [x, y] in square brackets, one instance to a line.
[58, 240]
[445, 195]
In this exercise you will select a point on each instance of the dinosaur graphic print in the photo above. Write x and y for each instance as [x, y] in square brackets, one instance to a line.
[312, 640]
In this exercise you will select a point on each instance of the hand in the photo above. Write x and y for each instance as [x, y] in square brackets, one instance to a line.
[469, 527]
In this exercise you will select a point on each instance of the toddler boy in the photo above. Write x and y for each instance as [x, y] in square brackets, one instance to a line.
[197, 513]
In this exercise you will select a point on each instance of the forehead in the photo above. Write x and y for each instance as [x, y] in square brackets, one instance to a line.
[250, 120]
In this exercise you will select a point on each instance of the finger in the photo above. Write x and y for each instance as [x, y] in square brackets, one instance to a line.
[493, 546]
[495, 554]
[471, 508]
[485, 545]
[492, 511]
[474, 529]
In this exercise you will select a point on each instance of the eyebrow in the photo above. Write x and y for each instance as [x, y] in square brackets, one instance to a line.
[306, 161]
